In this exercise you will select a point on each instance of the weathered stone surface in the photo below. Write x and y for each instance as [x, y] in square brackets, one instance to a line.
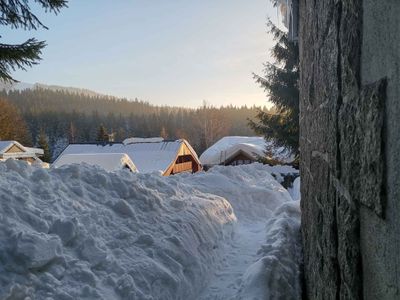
[371, 126]
[380, 238]
[346, 145]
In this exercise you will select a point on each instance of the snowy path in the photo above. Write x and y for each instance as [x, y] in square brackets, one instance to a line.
[225, 283]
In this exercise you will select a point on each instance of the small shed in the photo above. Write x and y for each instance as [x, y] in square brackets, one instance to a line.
[149, 155]
[240, 150]
[14, 150]
[108, 161]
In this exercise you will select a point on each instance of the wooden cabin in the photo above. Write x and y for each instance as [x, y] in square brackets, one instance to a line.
[14, 150]
[234, 150]
[149, 155]
[243, 150]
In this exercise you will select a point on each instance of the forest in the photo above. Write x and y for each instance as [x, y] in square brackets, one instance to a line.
[67, 117]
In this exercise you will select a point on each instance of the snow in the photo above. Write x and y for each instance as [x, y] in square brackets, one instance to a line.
[6, 145]
[230, 146]
[294, 191]
[148, 157]
[285, 7]
[279, 259]
[108, 161]
[79, 232]
[136, 140]
[26, 152]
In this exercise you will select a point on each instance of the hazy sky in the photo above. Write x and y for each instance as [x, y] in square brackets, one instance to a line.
[170, 52]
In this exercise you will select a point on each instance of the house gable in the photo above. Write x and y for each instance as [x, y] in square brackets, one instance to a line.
[185, 161]
[15, 149]
[240, 158]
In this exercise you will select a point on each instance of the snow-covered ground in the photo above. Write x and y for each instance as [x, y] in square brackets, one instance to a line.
[79, 232]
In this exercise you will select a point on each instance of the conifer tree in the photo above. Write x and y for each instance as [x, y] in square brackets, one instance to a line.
[281, 84]
[71, 133]
[43, 143]
[102, 135]
[163, 133]
[18, 14]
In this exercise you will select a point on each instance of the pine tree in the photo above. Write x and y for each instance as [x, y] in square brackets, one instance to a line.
[163, 133]
[71, 133]
[43, 143]
[281, 84]
[102, 135]
[18, 14]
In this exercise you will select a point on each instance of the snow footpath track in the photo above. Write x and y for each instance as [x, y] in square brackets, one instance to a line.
[262, 261]
[239, 254]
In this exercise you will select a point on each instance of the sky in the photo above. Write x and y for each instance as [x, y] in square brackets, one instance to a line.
[175, 52]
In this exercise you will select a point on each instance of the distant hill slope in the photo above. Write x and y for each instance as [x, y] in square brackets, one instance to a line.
[20, 86]
[72, 90]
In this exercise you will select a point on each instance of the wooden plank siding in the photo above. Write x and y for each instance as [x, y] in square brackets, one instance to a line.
[182, 167]
[184, 162]
[240, 158]
[14, 149]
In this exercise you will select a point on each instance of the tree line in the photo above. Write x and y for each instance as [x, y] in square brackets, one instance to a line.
[64, 117]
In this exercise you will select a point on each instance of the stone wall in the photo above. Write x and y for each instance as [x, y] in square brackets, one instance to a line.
[350, 147]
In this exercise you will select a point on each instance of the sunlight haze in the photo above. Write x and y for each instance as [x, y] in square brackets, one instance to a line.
[165, 52]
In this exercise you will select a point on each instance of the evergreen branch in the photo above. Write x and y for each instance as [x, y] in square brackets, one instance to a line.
[20, 56]
[17, 13]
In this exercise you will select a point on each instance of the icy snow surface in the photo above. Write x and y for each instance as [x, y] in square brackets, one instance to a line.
[295, 190]
[82, 233]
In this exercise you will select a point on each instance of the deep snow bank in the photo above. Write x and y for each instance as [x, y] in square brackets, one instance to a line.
[276, 274]
[251, 190]
[82, 233]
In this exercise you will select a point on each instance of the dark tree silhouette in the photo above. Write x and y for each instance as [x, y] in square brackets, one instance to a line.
[102, 135]
[44, 144]
[281, 84]
[18, 14]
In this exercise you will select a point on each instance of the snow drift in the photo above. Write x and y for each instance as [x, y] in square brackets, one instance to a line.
[276, 274]
[78, 232]
[250, 189]
[81, 233]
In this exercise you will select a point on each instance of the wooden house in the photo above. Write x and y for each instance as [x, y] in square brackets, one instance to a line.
[243, 150]
[149, 155]
[14, 150]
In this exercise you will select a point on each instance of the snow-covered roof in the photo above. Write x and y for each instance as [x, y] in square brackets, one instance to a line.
[229, 146]
[148, 155]
[5, 145]
[108, 161]
[26, 151]
[37, 151]
[136, 140]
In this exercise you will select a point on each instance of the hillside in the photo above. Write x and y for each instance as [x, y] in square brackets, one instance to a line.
[20, 86]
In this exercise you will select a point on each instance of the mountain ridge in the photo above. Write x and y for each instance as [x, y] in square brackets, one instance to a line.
[74, 90]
